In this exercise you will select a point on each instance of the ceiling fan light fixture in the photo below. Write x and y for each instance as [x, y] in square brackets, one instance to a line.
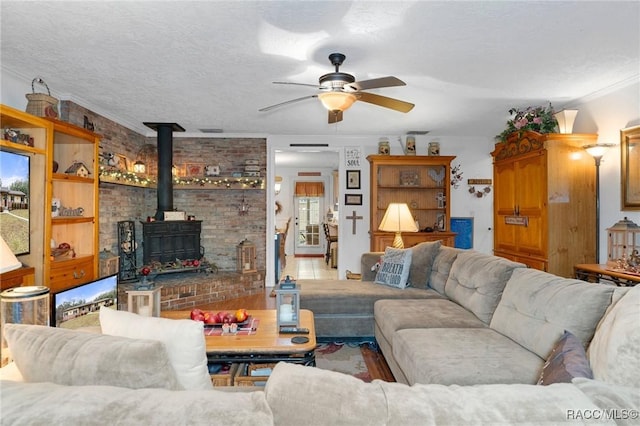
[337, 101]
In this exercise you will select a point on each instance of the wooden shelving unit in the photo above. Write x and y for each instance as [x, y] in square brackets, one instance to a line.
[423, 183]
[40, 131]
[72, 144]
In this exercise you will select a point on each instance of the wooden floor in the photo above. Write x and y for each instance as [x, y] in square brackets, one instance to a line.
[376, 364]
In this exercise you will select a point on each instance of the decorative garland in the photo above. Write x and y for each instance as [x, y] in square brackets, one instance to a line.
[226, 182]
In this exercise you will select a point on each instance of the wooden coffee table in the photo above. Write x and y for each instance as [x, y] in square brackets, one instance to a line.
[265, 346]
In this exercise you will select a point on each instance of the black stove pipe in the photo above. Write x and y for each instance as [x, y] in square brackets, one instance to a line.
[165, 164]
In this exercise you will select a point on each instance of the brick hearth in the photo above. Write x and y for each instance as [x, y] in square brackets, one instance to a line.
[184, 291]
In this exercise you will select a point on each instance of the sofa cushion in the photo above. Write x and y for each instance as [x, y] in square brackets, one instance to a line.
[70, 357]
[184, 340]
[422, 258]
[613, 352]
[476, 282]
[463, 356]
[335, 297]
[394, 270]
[442, 267]
[498, 404]
[393, 315]
[52, 404]
[537, 307]
[620, 400]
[300, 395]
[566, 361]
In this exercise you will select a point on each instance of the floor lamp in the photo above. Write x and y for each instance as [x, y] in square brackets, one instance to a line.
[398, 218]
[597, 151]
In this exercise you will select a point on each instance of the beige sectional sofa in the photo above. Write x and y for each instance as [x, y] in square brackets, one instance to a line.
[468, 318]
[469, 352]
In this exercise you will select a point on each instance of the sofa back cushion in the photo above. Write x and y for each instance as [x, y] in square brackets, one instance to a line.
[441, 267]
[78, 358]
[476, 282]
[537, 307]
[613, 352]
[422, 258]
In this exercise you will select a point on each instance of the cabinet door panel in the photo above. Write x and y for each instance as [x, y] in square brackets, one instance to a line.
[531, 184]
[532, 238]
[504, 205]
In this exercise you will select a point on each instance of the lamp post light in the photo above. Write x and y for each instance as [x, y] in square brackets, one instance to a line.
[597, 151]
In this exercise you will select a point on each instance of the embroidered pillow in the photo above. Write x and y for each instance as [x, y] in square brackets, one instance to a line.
[567, 360]
[394, 270]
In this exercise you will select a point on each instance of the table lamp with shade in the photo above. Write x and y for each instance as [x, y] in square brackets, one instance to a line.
[398, 219]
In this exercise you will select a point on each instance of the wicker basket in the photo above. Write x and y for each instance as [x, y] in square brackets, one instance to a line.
[225, 378]
[41, 104]
[244, 377]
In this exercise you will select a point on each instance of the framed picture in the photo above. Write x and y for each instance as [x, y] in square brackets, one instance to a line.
[353, 179]
[194, 169]
[353, 199]
[122, 162]
[352, 156]
[440, 222]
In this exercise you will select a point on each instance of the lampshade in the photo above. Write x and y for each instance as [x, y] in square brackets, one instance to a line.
[337, 101]
[8, 261]
[565, 118]
[398, 218]
[598, 150]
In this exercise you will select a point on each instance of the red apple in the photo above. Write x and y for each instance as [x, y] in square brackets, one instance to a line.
[197, 315]
[145, 270]
[209, 318]
[196, 263]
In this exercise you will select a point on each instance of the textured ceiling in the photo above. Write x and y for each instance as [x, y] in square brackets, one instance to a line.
[212, 64]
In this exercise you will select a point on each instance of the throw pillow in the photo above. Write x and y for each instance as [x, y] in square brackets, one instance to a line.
[77, 358]
[184, 340]
[566, 361]
[422, 258]
[394, 270]
[613, 351]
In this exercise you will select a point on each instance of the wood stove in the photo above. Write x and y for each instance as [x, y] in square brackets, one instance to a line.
[166, 241]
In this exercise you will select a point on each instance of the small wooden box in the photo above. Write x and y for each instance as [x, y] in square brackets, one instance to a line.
[225, 378]
[244, 377]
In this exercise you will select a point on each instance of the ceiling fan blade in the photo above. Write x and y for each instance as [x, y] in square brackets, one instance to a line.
[335, 116]
[384, 101]
[297, 84]
[287, 102]
[375, 83]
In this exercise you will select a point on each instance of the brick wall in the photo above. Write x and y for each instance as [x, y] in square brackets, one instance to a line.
[222, 227]
[188, 290]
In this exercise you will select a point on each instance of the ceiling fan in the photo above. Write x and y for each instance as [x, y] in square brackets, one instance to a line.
[339, 90]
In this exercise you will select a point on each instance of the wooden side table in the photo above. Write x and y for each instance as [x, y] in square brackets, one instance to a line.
[18, 277]
[599, 273]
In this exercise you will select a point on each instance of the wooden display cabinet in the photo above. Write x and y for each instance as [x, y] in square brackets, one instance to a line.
[423, 182]
[38, 150]
[75, 190]
[544, 201]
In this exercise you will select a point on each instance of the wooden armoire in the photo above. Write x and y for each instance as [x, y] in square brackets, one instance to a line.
[545, 201]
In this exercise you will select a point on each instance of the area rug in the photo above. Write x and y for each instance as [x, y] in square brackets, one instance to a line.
[343, 357]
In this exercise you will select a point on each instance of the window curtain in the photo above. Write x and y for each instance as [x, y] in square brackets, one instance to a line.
[309, 189]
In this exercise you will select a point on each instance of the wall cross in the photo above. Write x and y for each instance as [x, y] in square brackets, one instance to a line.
[353, 218]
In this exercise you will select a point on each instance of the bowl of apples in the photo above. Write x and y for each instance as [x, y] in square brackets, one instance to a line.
[213, 319]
